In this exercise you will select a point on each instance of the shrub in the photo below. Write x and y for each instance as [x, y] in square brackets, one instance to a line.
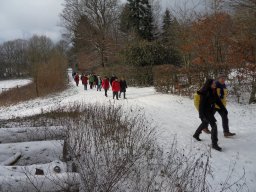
[144, 53]
[135, 76]
[49, 77]
[115, 149]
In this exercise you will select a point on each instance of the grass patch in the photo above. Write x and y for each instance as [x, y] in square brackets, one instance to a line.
[27, 92]
[48, 77]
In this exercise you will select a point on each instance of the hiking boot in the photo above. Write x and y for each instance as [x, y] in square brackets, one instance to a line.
[197, 137]
[216, 147]
[207, 131]
[228, 134]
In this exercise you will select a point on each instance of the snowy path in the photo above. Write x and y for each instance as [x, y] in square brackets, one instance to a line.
[7, 84]
[173, 116]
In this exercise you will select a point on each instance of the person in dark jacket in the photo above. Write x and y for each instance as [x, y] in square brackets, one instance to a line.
[123, 87]
[99, 83]
[73, 74]
[222, 93]
[95, 80]
[84, 79]
[115, 88]
[105, 85]
[91, 81]
[76, 78]
[208, 100]
[112, 79]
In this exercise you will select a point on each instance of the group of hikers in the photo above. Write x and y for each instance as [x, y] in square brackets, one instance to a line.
[118, 86]
[212, 98]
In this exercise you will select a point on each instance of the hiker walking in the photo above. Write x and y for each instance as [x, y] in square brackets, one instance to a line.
[95, 80]
[84, 79]
[105, 85]
[115, 88]
[222, 93]
[76, 78]
[112, 79]
[99, 83]
[208, 100]
[123, 87]
[73, 74]
[91, 81]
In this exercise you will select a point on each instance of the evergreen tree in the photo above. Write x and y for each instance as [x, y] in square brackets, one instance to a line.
[166, 25]
[170, 39]
[125, 22]
[170, 29]
[140, 17]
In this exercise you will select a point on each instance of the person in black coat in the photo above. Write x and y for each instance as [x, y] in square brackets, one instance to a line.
[95, 80]
[113, 78]
[123, 86]
[208, 99]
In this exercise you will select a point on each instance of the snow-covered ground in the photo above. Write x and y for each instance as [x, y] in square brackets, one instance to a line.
[173, 116]
[7, 84]
[35, 152]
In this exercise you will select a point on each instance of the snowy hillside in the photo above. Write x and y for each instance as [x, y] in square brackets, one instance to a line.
[173, 116]
[7, 84]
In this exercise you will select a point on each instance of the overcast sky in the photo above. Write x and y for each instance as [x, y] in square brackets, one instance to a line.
[23, 18]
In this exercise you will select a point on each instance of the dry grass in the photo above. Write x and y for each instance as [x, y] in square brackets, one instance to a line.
[116, 149]
[27, 92]
[49, 77]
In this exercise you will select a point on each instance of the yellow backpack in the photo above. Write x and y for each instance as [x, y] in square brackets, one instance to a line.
[224, 100]
[196, 100]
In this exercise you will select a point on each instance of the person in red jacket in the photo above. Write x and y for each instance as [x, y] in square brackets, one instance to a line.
[115, 88]
[84, 79]
[105, 85]
[76, 78]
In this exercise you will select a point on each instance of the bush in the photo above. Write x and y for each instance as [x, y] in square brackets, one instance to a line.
[49, 77]
[165, 78]
[135, 76]
[115, 149]
[144, 53]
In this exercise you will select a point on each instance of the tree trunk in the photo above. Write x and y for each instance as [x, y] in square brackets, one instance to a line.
[102, 59]
[37, 92]
[253, 93]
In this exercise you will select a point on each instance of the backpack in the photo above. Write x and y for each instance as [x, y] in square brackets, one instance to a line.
[196, 101]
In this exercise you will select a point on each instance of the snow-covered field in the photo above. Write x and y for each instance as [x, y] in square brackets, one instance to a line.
[173, 116]
[7, 84]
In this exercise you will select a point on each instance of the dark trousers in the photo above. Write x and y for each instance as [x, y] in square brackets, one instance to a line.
[224, 118]
[106, 92]
[77, 82]
[98, 87]
[91, 85]
[120, 94]
[85, 86]
[115, 94]
[214, 131]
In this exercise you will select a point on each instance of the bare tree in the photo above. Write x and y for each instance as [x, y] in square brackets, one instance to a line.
[39, 50]
[245, 41]
[13, 58]
[91, 23]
